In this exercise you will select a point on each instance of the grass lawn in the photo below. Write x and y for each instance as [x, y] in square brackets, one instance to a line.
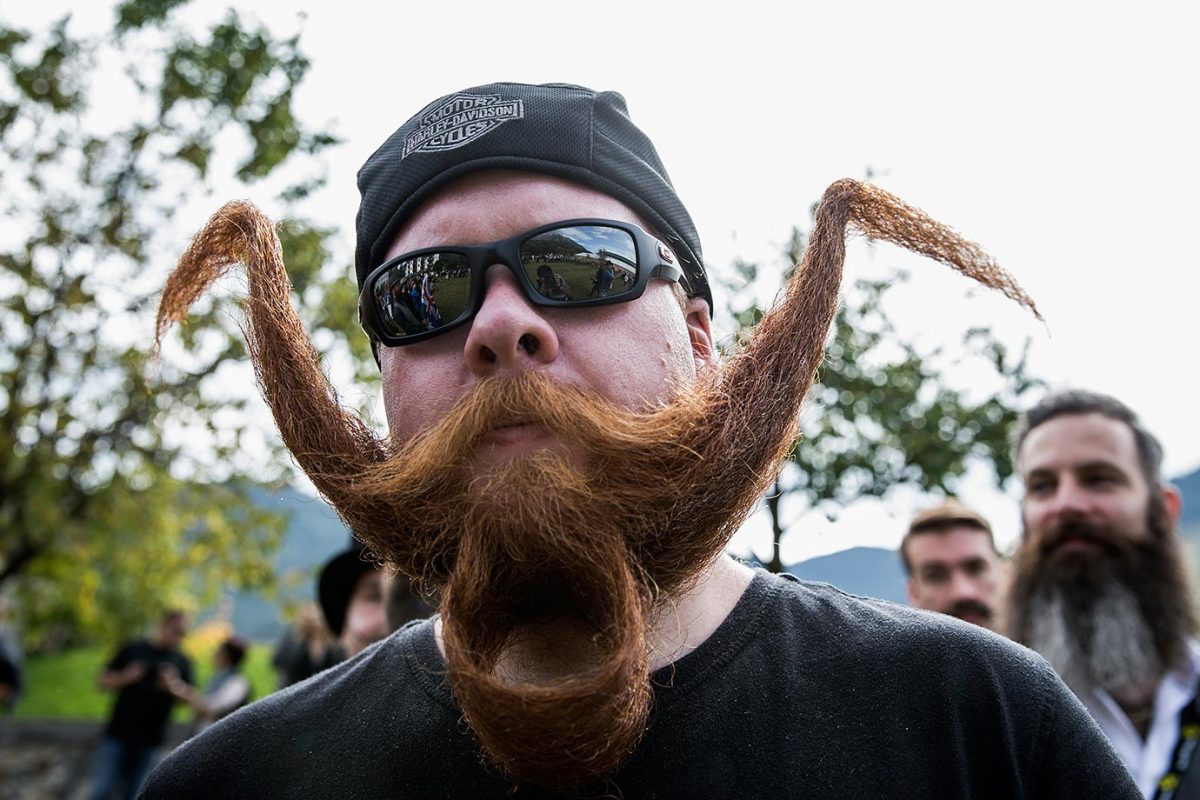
[63, 685]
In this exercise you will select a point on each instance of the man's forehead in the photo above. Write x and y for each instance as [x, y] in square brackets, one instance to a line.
[949, 544]
[371, 579]
[495, 204]
[1073, 440]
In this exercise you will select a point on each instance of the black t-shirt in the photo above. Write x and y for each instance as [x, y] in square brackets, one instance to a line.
[10, 676]
[142, 708]
[803, 691]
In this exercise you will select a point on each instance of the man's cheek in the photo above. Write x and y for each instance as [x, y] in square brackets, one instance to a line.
[367, 619]
[1031, 520]
[412, 404]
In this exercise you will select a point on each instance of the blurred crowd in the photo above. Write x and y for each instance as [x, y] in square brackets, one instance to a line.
[357, 605]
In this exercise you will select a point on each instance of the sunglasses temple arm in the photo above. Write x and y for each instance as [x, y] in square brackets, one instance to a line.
[667, 271]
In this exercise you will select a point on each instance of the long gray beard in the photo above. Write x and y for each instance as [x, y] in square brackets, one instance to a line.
[1108, 646]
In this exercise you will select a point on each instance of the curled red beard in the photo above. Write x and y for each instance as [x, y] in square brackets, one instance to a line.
[584, 547]
[562, 544]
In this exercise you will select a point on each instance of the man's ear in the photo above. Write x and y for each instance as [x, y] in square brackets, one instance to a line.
[1173, 500]
[910, 590]
[699, 327]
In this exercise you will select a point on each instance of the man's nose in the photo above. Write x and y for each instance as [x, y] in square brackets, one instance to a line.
[1070, 499]
[508, 333]
[963, 587]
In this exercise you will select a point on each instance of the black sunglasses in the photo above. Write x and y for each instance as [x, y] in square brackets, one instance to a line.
[576, 263]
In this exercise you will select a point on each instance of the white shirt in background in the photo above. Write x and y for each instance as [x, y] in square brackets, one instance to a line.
[1147, 760]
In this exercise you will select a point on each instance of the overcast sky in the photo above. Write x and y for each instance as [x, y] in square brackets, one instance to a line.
[1062, 137]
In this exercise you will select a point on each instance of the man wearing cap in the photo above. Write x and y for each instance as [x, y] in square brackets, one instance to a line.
[350, 589]
[565, 471]
[1100, 584]
[952, 564]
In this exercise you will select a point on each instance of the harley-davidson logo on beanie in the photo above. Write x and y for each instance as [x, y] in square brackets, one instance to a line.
[562, 130]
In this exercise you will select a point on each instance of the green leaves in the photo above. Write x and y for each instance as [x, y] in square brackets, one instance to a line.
[52, 77]
[115, 499]
[275, 135]
[305, 252]
[222, 70]
[196, 152]
[882, 415]
[237, 75]
[882, 421]
[9, 40]
[135, 14]
[94, 577]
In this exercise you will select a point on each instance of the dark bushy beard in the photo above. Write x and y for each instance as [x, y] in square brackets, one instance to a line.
[1113, 618]
[589, 544]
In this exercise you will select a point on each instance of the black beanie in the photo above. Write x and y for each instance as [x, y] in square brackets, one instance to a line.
[557, 129]
[337, 582]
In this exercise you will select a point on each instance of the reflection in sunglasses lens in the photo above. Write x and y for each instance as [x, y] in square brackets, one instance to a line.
[580, 262]
[423, 293]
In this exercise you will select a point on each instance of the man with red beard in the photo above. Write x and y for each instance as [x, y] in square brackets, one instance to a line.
[1100, 587]
[565, 472]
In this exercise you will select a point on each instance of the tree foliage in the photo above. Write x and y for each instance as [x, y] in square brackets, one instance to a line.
[882, 414]
[106, 511]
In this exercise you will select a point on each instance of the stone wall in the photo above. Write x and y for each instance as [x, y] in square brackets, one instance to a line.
[51, 759]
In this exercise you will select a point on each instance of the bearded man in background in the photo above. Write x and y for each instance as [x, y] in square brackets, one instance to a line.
[1100, 587]
[565, 470]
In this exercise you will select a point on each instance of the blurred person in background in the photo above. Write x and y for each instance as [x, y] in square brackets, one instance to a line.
[952, 564]
[1100, 586]
[306, 648]
[350, 590]
[227, 691]
[403, 604]
[11, 660]
[140, 673]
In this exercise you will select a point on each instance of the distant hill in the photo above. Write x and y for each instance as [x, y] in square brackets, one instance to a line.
[1189, 485]
[868, 571]
[314, 533]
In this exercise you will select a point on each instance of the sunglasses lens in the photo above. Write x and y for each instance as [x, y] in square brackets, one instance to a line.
[581, 262]
[423, 293]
